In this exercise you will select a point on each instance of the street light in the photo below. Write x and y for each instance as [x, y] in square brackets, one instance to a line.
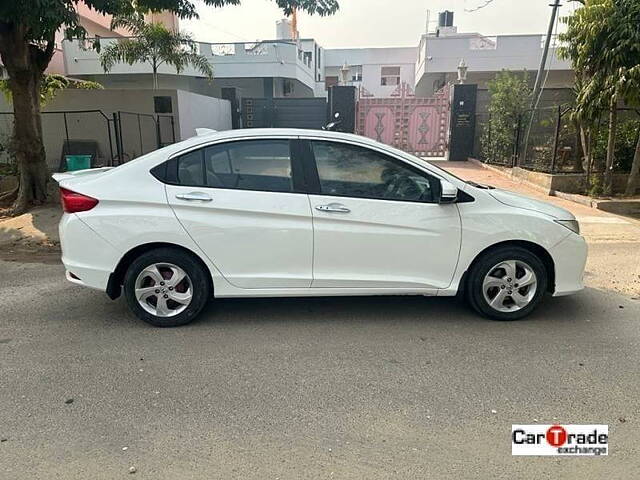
[462, 72]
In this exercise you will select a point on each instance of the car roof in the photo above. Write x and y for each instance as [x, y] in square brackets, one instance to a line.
[244, 133]
[278, 132]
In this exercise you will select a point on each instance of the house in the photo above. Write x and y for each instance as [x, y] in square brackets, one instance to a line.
[285, 67]
[440, 53]
[375, 71]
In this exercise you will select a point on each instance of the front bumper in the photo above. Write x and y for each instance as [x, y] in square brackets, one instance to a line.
[569, 257]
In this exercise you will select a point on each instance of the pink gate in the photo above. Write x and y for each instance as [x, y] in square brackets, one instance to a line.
[413, 124]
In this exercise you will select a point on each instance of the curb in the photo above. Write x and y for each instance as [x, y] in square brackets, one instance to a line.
[511, 177]
[576, 198]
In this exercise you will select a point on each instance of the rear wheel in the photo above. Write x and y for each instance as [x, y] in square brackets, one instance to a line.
[507, 283]
[167, 287]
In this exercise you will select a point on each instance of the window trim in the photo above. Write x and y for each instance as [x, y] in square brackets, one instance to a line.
[295, 154]
[313, 182]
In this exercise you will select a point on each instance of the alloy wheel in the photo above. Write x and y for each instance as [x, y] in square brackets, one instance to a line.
[510, 286]
[163, 289]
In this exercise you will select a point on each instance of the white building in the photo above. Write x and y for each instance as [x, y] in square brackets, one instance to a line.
[259, 69]
[376, 71]
[485, 56]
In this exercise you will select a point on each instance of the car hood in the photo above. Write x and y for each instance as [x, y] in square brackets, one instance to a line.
[522, 201]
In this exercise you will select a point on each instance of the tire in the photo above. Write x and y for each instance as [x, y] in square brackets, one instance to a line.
[511, 300]
[157, 275]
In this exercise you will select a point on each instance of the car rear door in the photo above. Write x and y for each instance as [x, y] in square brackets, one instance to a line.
[377, 223]
[242, 204]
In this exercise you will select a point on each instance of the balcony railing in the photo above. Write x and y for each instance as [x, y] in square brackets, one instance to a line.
[271, 58]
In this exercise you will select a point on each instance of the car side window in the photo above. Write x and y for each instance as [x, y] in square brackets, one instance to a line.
[351, 171]
[249, 165]
[190, 169]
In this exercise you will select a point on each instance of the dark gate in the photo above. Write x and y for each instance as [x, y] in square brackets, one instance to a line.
[284, 112]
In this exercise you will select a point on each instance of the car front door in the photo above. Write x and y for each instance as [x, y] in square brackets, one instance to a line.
[377, 221]
[241, 204]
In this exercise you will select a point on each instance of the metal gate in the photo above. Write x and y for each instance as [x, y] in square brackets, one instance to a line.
[140, 133]
[284, 112]
[416, 125]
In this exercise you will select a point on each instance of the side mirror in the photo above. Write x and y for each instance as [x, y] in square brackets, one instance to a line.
[448, 192]
[337, 115]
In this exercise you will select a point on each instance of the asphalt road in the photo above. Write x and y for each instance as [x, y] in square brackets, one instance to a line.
[306, 388]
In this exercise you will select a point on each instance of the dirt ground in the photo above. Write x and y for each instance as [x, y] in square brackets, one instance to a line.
[614, 241]
[32, 237]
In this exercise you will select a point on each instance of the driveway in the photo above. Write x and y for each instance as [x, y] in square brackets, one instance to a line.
[315, 388]
[306, 388]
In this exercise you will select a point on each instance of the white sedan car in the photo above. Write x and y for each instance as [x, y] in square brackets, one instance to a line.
[285, 212]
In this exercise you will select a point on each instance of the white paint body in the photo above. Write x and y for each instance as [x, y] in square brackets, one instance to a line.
[258, 244]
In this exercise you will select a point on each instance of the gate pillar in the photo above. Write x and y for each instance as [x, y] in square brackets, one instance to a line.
[463, 122]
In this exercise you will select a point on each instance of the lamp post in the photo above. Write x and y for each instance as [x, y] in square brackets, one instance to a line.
[462, 72]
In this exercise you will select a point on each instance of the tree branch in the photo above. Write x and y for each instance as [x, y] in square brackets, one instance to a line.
[44, 56]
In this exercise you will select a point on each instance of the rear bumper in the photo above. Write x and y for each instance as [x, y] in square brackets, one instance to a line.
[88, 258]
[569, 258]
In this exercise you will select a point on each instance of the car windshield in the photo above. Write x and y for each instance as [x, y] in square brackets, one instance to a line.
[469, 182]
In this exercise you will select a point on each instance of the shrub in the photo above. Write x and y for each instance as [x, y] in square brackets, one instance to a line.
[626, 139]
[509, 95]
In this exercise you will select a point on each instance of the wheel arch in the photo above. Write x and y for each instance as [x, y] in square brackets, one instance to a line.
[116, 279]
[532, 247]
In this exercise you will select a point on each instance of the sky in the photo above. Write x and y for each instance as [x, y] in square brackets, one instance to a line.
[369, 23]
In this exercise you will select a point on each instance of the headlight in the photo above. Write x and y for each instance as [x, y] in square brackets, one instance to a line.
[572, 225]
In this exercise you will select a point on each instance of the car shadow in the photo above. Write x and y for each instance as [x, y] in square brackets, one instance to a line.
[361, 310]
[373, 310]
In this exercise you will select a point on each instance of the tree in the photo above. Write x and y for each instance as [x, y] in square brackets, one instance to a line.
[155, 44]
[509, 94]
[27, 44]
[603, 42]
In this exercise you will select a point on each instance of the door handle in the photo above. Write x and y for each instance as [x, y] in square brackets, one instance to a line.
[333, 208]
[194, 196]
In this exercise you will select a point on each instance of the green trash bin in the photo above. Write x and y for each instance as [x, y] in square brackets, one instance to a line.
[78, 162]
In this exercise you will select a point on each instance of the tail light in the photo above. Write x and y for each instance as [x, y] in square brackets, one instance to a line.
[73, 202]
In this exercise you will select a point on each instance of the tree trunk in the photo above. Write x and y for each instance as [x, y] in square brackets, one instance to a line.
[27, 145]
[587, 166]
[25, 64]
[586, 147]
[154, 68]
[611, 146]
[633, 182]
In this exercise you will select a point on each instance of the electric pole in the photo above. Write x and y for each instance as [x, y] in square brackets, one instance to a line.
[537, 91]
[545, 53]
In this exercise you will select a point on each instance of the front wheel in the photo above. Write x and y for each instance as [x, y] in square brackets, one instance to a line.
[507, 283]
[166, 287]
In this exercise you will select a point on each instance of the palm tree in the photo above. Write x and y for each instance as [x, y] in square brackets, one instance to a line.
[155, 44]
